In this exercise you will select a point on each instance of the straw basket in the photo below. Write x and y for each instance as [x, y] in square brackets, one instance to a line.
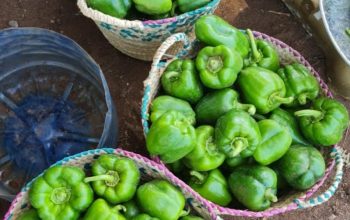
[293, 201]
[148, 168]
[141, 39]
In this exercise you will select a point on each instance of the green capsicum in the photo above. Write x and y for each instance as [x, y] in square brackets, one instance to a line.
[205, 155]
[114, 178]
[211, 185]
[186, 6]
[154, 7]
[302, 166]
[165, 103]
[181, 80]
[234, 162]
[325, 123]
[262, 88]
[288, 121]
[300, 83]
[237, 134]
[60, 193]
[217, 103]
[144, 216]
[254, 186]
[218, 66]
[131, 209]
[115, 8]
[281, 181]
[102, 211]
[176, 167]
[171, 137]
[162, 200]
[214, 31]
[275, 142]
[30, 214]
[262, 54]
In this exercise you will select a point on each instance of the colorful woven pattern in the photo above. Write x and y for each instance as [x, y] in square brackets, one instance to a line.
[148, 168]
[287, 55]
[140, 39]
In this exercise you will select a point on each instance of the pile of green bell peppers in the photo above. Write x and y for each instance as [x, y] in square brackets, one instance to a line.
[145, 9]
[112, 191]
[239, 124]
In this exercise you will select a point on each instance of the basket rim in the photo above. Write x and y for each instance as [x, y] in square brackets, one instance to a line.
[123, 23]
[295, 204]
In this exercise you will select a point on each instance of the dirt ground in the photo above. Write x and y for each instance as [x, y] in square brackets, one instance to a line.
[125, 75]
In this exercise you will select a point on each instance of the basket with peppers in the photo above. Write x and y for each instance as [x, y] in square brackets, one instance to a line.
[145, 9]
[244, 122]
[106, 184]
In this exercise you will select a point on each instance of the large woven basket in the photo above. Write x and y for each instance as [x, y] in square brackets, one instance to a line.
[148, 168]
[141, 39]
[293, 201]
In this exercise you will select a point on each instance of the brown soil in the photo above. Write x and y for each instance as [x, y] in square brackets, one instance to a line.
[125, 75]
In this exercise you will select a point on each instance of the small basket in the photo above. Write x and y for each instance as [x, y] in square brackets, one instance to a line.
[141, 39]
[148, 168]
[296, 200]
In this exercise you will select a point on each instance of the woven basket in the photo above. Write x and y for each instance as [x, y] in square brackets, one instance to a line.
[293, 201]
[148, 168]
[141, 39]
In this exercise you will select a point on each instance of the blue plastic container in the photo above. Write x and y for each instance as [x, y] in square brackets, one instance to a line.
[54, 102]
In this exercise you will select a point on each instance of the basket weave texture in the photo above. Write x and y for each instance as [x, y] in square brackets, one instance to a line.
[141, 39]
[293, 201]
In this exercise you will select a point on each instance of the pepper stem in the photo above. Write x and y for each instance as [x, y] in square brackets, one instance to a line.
[246, 107]
[238, 146]
[172, 76]
[309, 113]
[302, 99]
[111, 178]
[173, 8]
[255, 52]
[198, 177]
[185, 213]
[215, 64]
[283, 100]
[119, 208]
[270, 196]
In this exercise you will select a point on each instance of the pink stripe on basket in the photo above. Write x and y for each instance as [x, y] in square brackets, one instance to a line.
[162, 21]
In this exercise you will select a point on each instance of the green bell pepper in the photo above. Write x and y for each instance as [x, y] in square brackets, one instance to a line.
[300, 83]
[275, 142]
[162, 200]
[102, 211]
[30, 214]
[154, 7]
[114, 178]
[217, 103]
[288, 121]
[144, 216]
[176, 167]
[262, 88]
[181, 80]
[262, 54]
[171, 137]
[302, 166]
[131, 209]
[214, 31]
[236, 161]
[254, 186]
[115, 8]
[281, 181]
[186, 6]
[211, 185]
[325, 123]
[218, 66]
[237, 134]
[164, 103]
[205, 155]
[60, 193]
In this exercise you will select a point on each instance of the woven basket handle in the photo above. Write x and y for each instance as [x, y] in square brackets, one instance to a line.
[337, 154]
